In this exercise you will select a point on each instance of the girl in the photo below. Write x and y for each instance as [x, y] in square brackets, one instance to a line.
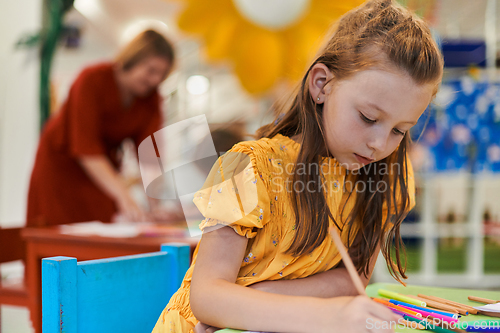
[75, 177]
[337, 157]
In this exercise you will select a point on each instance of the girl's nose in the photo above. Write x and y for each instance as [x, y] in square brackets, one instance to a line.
[379, 142]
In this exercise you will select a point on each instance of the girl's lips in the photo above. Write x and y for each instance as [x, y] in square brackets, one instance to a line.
[363, 160]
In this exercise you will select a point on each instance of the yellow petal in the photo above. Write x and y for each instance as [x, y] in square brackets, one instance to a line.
[199, 16]
[258, 56]
[220, 38]
[302, 45]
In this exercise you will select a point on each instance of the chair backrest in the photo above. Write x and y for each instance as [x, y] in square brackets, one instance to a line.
[122, 294]
[13, 245]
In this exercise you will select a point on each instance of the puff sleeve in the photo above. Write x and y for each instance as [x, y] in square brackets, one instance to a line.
[234, 194]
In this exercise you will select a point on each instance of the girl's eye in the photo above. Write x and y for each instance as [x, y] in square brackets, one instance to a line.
[366, 119]
[398, 132]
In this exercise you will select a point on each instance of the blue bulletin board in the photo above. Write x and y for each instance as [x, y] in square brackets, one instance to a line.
[463, 129]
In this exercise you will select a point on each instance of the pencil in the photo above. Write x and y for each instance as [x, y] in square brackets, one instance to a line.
[444, 313]
[398, 297]
[429, 325]
[459, 307]
[415, 325]
[470, 309]
[437, 305]
[353, 273]
[482, 300]
[397, 307]
[433, 315]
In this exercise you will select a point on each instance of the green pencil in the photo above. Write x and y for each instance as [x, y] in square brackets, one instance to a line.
[427, 325]
[399, 297]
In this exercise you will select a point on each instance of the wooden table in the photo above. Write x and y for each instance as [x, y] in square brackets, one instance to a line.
[52, 241]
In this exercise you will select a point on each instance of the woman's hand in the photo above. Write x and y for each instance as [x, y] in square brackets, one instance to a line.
[129, 209]
[106, 178]
[356, 314]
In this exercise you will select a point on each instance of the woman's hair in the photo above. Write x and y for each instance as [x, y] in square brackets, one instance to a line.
[146, 44]
[382, 34]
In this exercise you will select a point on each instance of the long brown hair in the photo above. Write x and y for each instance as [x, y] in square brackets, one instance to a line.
[380, 32]
[147, 43]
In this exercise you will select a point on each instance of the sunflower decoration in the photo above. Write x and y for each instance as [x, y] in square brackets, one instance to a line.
[265, 40]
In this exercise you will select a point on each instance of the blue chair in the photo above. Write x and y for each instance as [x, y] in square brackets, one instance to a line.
[122, 294]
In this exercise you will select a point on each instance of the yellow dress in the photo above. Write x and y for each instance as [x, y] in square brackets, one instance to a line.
[268, 221]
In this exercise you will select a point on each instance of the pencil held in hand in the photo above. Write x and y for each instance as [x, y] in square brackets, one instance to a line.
[347, 262]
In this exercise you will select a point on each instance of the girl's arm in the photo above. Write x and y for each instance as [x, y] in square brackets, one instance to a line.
[101, 172]
[217, 301]
[332, 283]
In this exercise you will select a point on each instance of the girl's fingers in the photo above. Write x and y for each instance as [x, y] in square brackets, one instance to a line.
[375, 325]
[200, 328]
[203, 328]
[382, 312]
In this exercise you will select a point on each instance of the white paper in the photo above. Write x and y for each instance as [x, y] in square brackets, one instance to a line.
[489, 307]
[118, 230]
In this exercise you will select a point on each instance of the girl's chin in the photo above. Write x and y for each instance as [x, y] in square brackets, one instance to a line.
[351, 165]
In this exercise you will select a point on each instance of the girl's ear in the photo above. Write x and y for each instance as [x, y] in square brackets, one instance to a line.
[318, 76]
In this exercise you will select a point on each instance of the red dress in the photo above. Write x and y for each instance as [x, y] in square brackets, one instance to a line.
[92, 121]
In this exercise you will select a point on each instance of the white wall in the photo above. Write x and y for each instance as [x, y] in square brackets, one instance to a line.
[18, 107]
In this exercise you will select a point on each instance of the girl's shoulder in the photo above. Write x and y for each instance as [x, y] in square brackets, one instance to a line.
[267, 156]
[277, 145]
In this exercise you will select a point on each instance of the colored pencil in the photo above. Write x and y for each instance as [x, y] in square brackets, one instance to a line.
[460, 309]
[399, 297]
[428, 325]
[482, 300]
[397, 307]
[433, 315]
[468, 308]
[481, 326]
[444, 313]
[397, 312]
[408, 324]
[437, 305]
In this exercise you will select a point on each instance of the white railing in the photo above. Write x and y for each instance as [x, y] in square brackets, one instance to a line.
[471, 194]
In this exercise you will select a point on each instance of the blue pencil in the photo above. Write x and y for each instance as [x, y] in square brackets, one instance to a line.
[481, 326]
[452, 315]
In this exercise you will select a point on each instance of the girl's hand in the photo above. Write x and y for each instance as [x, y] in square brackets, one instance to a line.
[202, 328]
[356, 314]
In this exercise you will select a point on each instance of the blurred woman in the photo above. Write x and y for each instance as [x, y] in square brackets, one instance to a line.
[76, 173]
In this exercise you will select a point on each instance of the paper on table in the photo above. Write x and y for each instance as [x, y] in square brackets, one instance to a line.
[489, 307]
[119, 230]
